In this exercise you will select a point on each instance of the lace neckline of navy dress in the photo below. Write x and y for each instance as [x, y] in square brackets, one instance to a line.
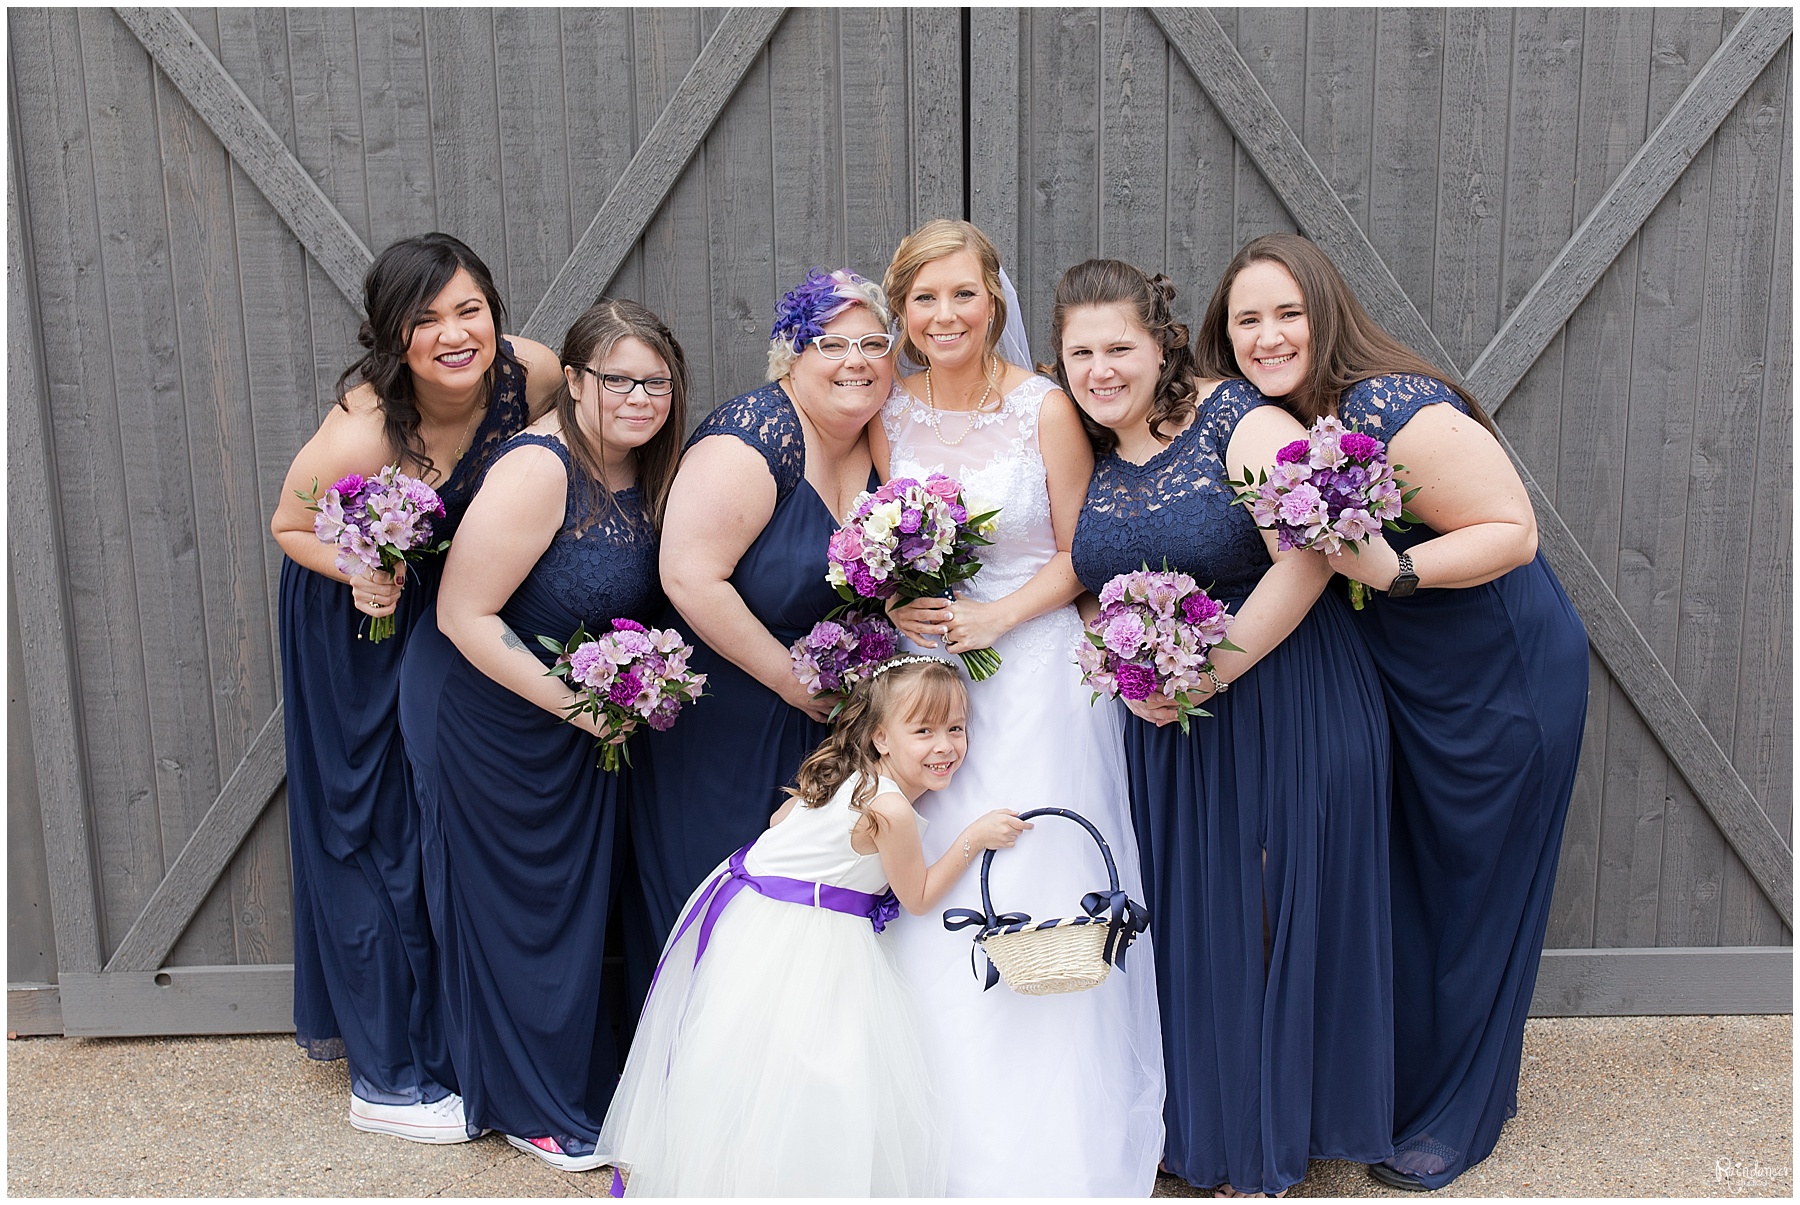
[506, 415]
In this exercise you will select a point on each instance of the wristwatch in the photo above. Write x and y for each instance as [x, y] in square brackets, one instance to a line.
[1405, 581]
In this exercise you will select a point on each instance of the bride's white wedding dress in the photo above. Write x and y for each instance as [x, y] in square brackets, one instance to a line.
[1038, 1095]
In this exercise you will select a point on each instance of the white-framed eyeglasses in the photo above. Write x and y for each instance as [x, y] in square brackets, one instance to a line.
[619, 383]
[837, 347]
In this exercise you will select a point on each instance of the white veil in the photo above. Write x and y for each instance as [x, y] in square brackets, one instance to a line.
[1013, 346]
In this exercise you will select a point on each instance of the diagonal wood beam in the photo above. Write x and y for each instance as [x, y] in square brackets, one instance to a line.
[1278, 153]
[1622, 211]
[666, 151]
[1285, 163]
[178, 51]
[184, 888]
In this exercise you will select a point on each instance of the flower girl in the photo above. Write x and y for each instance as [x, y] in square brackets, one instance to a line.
[777, 1053]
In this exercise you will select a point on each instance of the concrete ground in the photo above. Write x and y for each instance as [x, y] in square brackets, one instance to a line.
[1608, 1107]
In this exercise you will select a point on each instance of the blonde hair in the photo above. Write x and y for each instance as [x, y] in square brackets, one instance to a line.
[929, 243]
[918, 688]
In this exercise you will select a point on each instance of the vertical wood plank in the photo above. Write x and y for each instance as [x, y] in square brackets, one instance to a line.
[1471, 179]
[996, 139]
[1338, 96]
[676, 283]
[326, 119]
[741, 206]
[396, 123]
[599, 105]
[811, 162]
[1273, 45]
[531, 155]
[876, 115]
[1539, 214]
[1063, 222]
[1404, 144]
[462, 73]
[934, 66]
[1594, 401]
[1202, 187]
[1134, 139]
[47, 219]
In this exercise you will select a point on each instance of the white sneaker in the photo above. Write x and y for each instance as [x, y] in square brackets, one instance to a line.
[551, 1152]
[440, 1121]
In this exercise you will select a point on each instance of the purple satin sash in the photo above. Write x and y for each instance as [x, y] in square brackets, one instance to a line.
[710, 904]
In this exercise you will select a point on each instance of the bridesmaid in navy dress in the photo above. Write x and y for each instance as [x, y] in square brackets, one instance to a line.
[436, 392]
[1485, 667]
[518, 822]
[760, 491]
[1262, 833]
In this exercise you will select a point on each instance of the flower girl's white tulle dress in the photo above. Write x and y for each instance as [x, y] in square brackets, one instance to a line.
[787, 1062]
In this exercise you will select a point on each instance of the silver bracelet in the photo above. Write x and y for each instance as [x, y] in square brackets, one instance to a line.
[967, 856]
[1219, 687]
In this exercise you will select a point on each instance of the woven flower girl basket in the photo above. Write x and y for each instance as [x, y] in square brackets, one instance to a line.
[1072, 954]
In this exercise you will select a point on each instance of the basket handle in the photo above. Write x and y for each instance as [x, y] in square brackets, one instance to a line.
[987, 858]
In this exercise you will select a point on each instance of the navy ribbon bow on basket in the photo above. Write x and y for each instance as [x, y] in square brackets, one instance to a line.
[1067, 955]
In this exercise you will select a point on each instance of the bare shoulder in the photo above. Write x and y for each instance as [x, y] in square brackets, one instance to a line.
[534, 356]
[892, 807]
[354, 432]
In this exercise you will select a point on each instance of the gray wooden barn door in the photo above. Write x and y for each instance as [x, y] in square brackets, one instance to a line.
[193, 196]
[1587, 216]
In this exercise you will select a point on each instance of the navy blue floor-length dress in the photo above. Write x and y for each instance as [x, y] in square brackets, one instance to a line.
[1268, 1063]
[1487, 692]
[519, 826]
[711, 783]
[364, 980]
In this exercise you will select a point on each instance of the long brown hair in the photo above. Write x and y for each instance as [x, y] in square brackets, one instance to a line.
[1151, 301]
[404, 279]
[593, 337]
[933, 241]
[1347, 345]
[907, 690]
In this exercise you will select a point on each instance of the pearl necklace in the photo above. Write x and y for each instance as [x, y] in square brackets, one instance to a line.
[931, 412]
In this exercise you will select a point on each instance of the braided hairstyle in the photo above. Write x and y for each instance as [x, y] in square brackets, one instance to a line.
[1150, 301]
[902, 690]
[400, 285]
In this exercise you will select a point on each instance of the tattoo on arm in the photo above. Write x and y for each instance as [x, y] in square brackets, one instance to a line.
[511, 640]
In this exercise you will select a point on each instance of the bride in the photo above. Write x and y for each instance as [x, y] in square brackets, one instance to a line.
[1038, 1095]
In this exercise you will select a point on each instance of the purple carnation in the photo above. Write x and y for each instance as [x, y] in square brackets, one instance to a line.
[348, 487]
[877, 643]
[625, 689]
[1294, 453]
[1198, 608]
[1359, 446]
[1136, 682]
[628, 625]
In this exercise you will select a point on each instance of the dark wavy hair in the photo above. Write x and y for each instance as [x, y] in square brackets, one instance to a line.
[399, 286]
[592, 337]
[927, 689]
[1347, 345]
[1150, 300]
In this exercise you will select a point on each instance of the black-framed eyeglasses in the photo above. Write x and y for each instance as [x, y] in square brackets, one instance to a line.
[619, 383]
[837, 347]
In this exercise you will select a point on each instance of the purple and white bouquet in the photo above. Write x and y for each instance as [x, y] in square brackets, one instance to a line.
[1156, 631]
[839, 653]
[376, 522]
[912, 539]
[1331, 490]
[620, 677]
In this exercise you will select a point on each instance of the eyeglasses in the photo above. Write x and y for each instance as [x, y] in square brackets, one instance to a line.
[622, 385]
[836, 347]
